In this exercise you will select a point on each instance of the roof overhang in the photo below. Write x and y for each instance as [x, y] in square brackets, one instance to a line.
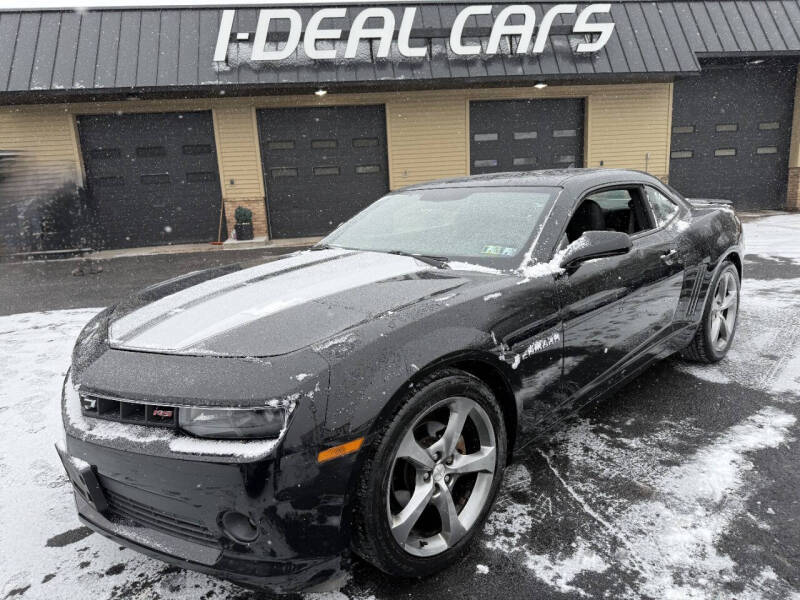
[60, 55]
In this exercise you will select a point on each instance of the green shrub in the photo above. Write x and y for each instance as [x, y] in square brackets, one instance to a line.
[243, 215]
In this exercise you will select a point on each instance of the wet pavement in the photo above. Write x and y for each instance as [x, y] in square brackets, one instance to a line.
[37, 285]
[682, 485]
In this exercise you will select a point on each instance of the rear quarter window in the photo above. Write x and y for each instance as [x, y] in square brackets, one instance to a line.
[663, 208]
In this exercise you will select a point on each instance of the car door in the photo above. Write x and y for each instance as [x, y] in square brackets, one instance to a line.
[614, 306]
[598, 328]
[659, 275]
[531, 339]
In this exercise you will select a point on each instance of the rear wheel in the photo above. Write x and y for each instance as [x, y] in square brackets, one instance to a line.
[715, 334]
[432, 478]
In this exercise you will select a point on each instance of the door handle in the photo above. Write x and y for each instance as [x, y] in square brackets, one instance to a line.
[668, 256]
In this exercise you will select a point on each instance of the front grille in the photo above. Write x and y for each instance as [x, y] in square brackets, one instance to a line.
[141, 514]
[124, 411]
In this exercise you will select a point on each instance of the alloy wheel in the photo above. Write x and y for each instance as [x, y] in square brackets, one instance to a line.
[724, 306]
[441, 476]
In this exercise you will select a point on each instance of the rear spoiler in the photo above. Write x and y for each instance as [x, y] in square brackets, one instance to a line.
[705, 202]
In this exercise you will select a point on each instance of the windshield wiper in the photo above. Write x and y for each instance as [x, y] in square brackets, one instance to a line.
[436, 261]
[323, 247]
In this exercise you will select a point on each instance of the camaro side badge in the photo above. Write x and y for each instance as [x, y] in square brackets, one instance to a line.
[538, 345]
[542, 344]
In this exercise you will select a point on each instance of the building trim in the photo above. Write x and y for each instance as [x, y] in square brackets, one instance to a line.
[794, 150]
[793, 189]
[77, 154]
[668, 148]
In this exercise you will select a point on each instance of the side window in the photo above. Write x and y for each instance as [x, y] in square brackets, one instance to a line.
[620, 210]
[663, 208]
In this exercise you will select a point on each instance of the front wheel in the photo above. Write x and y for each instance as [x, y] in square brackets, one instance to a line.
[715, 334]
[428, 486]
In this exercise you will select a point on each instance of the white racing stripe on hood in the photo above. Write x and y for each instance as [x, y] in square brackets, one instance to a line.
[182, 320]
[124, 327]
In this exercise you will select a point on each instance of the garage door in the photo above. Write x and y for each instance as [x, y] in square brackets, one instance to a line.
[153, 178]
[730, 135]
[523, 135]
[321, 165]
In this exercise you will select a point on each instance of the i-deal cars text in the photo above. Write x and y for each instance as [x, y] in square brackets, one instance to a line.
[378, 23]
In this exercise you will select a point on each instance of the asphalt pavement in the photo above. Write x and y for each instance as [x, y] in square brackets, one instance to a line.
[684, 484]
[36, 285]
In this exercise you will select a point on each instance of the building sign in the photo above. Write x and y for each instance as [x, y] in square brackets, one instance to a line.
[379, 24]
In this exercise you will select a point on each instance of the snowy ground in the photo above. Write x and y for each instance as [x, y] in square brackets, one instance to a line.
[684, 485]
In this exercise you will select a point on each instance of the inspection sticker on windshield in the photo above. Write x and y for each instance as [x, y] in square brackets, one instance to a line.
[499, 250]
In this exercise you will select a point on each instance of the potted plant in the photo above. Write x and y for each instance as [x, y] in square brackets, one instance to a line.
[244, 223]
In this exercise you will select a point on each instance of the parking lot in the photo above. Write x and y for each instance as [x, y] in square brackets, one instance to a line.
[682, 485]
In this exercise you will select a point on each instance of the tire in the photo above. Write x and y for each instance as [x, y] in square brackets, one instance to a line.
[402, 476]
[712, 341]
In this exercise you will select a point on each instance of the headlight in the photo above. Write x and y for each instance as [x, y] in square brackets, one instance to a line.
[233, 423]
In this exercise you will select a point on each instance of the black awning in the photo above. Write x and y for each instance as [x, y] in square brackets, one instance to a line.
[113, 50]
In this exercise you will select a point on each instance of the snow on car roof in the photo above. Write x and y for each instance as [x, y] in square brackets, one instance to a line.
[544, 178]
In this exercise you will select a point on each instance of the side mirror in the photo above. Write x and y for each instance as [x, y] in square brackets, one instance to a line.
[595, 244]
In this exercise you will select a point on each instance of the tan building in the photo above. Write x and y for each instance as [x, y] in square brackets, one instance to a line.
[132, 109]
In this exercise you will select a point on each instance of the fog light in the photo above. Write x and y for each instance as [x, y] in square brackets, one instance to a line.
[240, 528]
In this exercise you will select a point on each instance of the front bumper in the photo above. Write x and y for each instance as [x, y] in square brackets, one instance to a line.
[170, 509]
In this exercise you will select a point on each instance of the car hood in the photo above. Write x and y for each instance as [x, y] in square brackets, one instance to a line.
[278, 307]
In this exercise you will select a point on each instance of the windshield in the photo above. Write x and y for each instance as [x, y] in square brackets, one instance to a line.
[490, 226]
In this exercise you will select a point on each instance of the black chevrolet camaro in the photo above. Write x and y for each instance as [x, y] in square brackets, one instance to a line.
[366, 394]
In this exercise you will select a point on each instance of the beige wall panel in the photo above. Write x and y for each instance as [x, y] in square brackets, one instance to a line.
[793, 191]
[239, 159]
[794, 149]
[427, 136]
[630, 128]
[46, 144]
[238, 152]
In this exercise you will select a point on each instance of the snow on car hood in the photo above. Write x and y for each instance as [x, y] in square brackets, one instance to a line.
[278, 307]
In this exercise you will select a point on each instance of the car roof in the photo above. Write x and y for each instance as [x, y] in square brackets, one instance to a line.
[544, 178]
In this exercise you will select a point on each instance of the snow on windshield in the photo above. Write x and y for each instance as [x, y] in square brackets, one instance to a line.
[489, 226]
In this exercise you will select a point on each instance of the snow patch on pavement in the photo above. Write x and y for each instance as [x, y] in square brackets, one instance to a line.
[510, 522]
[676, 534]
[772, 237]
[709, 373]
[667, 541]
[36, 501]
[561, 572]
[765, 354]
